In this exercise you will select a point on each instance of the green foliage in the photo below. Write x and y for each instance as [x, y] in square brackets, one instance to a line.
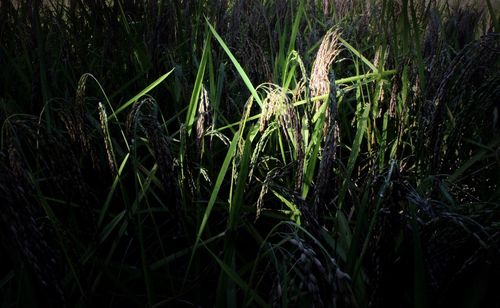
[249, 153]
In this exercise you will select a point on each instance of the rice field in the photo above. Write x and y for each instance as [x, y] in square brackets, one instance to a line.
[286, 153]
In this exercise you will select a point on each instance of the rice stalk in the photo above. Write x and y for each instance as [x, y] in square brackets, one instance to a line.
[103, 117]
[360, 142]
[73, 115]
[325, 180]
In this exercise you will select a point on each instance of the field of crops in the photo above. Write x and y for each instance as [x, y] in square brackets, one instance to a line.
[232, 153]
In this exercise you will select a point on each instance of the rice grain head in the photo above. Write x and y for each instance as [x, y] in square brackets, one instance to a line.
[277, 104]
[73, 117]
[107, 138]
[204, 118]
[327, 53]
[144, 118]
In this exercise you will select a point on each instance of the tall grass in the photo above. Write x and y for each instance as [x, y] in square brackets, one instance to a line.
[249, 153]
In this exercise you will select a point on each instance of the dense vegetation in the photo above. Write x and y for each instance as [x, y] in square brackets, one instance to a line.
[249, 153]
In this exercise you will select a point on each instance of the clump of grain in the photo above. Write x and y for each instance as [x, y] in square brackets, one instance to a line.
[475, 64]
[73, 115]
[277, 105]
[327, 53]
[144, 117]
[103, 117]
[313, 276]
[203, 120]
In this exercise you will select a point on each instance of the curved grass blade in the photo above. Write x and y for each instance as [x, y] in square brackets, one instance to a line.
[237, 65]
[359, 55]
[313, 149]
[195, 95]
[360, 131]
[139, 95]
[215, 192]
[112, 190]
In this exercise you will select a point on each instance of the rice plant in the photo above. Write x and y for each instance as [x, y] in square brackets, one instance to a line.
[249, 153]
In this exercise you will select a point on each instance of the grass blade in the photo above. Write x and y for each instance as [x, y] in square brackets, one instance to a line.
[145, 91]
[237, 65]
[195, 96]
